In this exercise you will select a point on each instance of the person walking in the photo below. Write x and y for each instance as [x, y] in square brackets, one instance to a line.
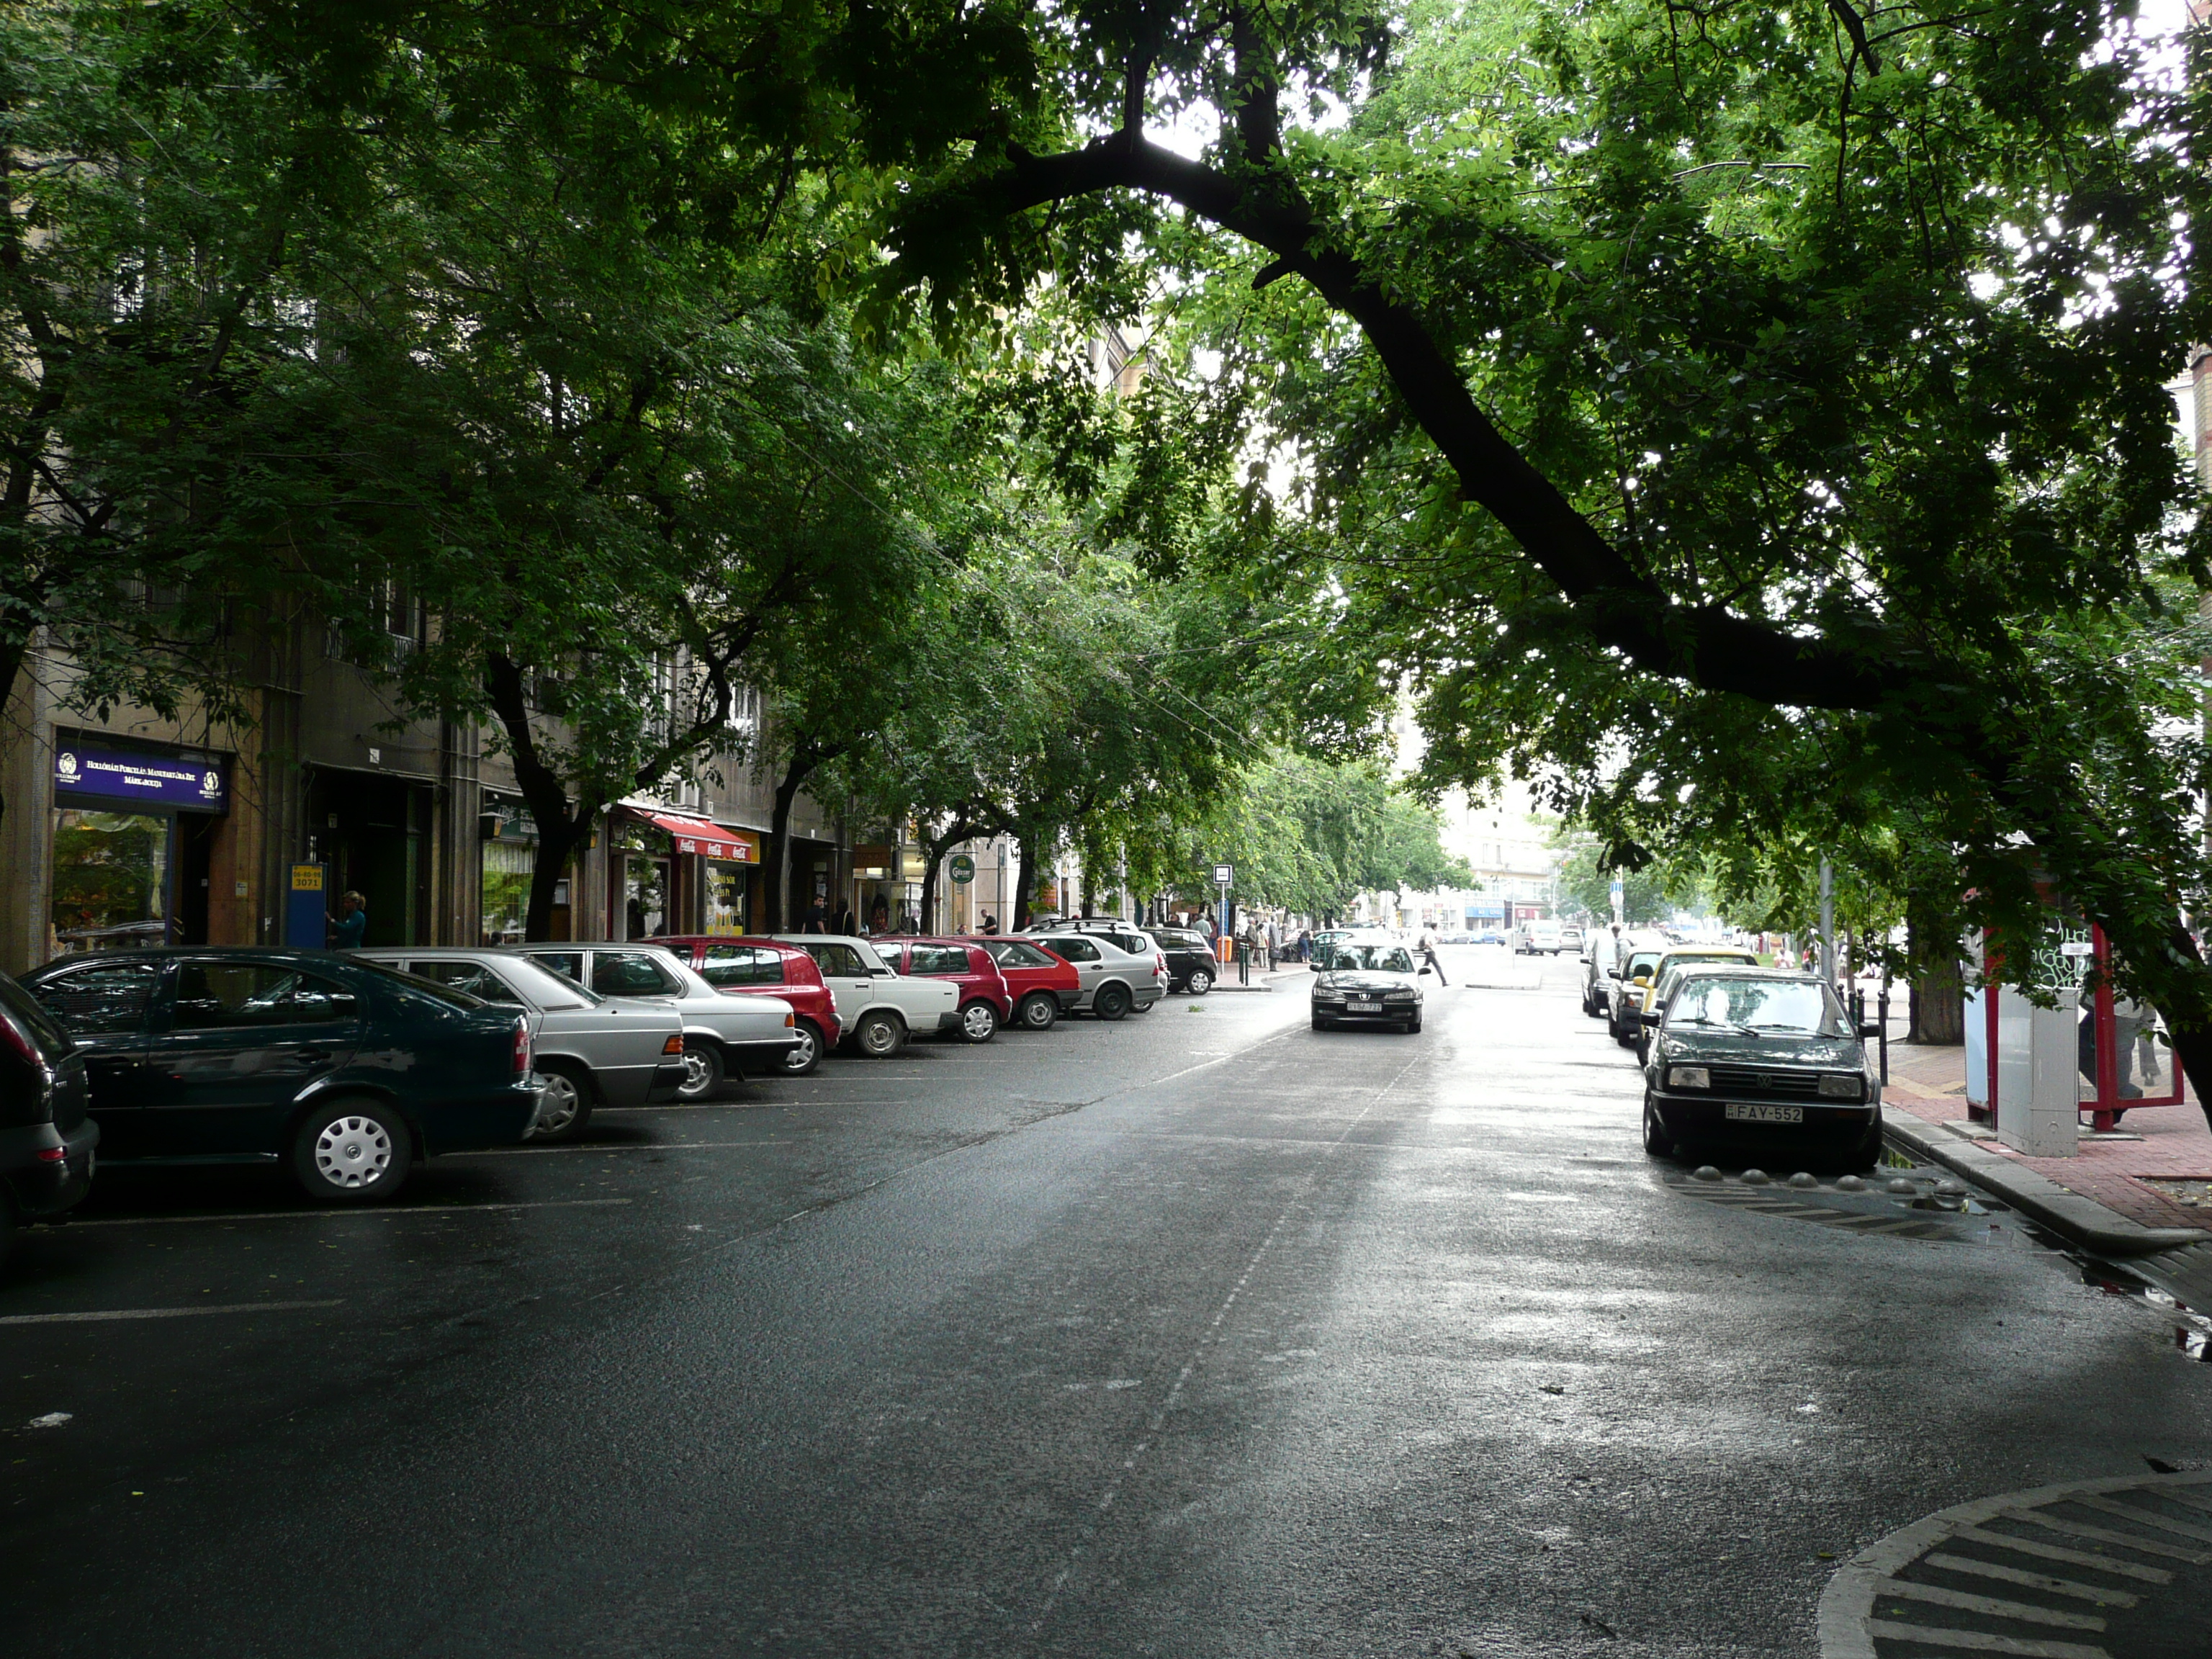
[816, 919]
[351, 922]
[990, 924]
[1428, 947]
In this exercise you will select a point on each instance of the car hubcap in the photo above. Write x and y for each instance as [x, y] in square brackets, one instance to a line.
[352, 1151]
[803, 1056]
[1200, 984]
[559, 1109]
[878, 1038]
[979, 1022]
[698, 1074]
[1037, 1014]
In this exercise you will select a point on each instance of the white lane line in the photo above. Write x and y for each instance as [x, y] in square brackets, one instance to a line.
[2097, 1593]
[1974, 1641]
[2145, 1518]
[363, 1214]
[2099, 1534]
[2071, 1558]
[160, 1313]
[642, 1146]
[2026, 1613]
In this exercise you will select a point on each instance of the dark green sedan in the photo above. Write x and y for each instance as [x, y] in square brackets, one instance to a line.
[344, 1071]
[1763, 1061]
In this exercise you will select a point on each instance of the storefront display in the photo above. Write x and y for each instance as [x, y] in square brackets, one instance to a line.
[129, 837]
[111, 880]
[508, 867]
[728, 907]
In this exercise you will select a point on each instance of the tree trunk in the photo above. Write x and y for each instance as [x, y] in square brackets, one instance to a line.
[1939, 994]
[561, 829]
[1026, 845]
[803, 763]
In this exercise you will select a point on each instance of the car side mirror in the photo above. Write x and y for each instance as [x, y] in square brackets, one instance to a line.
[1652, 1016]
[1317, 967]
[1425, 968]
[1612, 973]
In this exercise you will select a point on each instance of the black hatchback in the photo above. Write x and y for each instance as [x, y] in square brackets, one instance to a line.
[345, 1071]
[47, 1140]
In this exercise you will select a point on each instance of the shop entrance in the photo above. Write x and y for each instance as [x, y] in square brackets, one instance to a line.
[372, 830]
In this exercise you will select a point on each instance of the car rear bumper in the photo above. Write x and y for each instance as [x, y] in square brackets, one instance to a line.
[949, 1020]
[496, 1118]
[40, 1187]
[1694, 1118]
[1068, 1000]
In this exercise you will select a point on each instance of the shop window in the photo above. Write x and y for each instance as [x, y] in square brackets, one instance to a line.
[508, 867]
[725, 896]
[111, 885]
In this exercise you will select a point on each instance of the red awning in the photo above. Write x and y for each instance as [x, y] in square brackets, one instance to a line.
[708, 840]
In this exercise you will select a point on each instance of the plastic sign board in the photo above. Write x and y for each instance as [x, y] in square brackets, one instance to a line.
[141, 779]
[963, 869]
[1224, 875]
[307, 917]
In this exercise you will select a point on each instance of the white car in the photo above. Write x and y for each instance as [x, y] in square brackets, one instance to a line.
[877, 1007]
[1113, 981]
[723, 1037]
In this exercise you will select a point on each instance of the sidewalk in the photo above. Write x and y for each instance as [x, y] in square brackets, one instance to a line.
[2175, 1144]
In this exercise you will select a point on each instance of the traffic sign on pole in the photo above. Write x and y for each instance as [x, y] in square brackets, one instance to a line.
[1619, 897]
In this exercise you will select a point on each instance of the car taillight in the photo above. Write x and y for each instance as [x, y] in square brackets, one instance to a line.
[674, 1045]
[51, 1154]
[522, 1048]
[20, 1045]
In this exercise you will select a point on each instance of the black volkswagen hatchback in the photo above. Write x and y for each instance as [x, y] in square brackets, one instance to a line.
[46, 1141]
[346, 1070]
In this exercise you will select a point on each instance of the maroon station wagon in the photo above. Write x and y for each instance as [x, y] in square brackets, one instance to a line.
[768, 967]
[986, 1003]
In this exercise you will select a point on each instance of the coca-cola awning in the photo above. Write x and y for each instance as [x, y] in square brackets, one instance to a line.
[707, 840]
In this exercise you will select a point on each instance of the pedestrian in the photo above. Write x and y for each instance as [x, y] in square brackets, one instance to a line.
[1305, 944]
[350, 923]
[1428, 948]
[816, 919]
[990, 924]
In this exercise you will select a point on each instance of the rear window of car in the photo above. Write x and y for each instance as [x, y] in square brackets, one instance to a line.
[1074, 949]
[937, 959]
[1012, 953]
[414, 985]
[741, 964]
[1179, 938]
[833, 958]
[53, 1043]
[101, 997]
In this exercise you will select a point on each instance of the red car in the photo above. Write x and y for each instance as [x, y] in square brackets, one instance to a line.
[768, 967]
[987, 1001]
[1043, 986]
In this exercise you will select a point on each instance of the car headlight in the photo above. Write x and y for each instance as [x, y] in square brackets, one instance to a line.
[1401, 996]
[1688, 1076]
[1322, 993]
[1838, 1086]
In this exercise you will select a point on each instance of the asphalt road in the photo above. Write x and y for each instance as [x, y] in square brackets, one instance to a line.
[1200, 1334]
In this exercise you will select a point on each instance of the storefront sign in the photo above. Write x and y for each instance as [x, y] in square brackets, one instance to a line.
[144, 780]
[707, 840]
[963, 869]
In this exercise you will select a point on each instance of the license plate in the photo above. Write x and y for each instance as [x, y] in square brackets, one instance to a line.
[1364, 1008]
[1738, 1113]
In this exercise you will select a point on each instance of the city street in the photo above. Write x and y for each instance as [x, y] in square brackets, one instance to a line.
[1202, 1334]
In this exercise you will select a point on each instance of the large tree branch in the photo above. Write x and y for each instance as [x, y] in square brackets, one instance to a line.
[1620, 607]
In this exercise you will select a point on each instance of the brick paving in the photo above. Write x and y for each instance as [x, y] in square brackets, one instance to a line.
[2177, 1143]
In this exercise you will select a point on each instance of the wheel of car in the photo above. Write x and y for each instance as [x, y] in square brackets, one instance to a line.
[351, 1152]
[880, 1035]
[979, 1022]
[1198, 983]
[799, 1061]
[1656, 1139]
[703, 1071]
[1039, 1011]
[566, 1105]
[1112, 1001]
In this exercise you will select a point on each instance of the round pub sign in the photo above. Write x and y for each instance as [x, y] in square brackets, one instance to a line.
[963, 868]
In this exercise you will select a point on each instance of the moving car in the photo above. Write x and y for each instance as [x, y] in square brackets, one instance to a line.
[590, 1052]
[1367, 983]
[1673, 958]
[1761, 1058]
[1570, 938]
[47, 1141]
[1042, 986]
[986, 1000]
[1535, 938]
[749, 966]
[345, 1070]
[723, 1037]
[1112, 980]
[878, 1007]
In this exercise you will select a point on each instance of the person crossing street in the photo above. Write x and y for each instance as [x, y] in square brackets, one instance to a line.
[1428, 949]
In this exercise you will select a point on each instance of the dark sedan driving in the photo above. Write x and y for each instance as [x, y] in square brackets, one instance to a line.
[346, 1072]
[1759, 1059]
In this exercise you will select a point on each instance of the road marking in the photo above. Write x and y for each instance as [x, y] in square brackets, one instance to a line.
[2082, 1529]
[1977, 1642]
[641, 1147]
[2025, 1612]
[2071, 1558]
[2145, 1518]
[2042, 1580]
[160, 1313]
[365, 1214]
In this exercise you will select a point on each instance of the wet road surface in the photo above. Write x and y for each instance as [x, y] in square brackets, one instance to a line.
[1204, 1334]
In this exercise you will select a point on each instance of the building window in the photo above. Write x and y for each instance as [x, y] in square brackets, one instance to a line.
[508, 869]
[111, 881]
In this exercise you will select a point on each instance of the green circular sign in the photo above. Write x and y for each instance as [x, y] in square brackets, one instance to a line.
[963, 868]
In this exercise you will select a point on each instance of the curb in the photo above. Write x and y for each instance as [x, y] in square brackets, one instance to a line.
[2083, 1220]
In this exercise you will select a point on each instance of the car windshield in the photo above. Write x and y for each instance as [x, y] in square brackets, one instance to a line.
[1012, 953]
[1790, 1007]
[1376, 958]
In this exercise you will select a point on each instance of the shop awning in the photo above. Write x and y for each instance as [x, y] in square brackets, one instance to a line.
[707, 840]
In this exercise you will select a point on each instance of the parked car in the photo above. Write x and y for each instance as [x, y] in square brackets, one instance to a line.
[345, 1070]
[1762, 1058]
[1042, 986]
[1372, 982]
[878, 1006]
[1537, 938]
[1112, 980]
[1126, 936]
[1626, 981]
[1669, 969]
[767, 967]
[987, 1001]
[47, 1138]
[1570, 938]
[590, 1052]
[1602, 953]
[1189, 953]
[723, 1037]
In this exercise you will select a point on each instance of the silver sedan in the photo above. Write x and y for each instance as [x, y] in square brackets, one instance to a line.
[723, 1035]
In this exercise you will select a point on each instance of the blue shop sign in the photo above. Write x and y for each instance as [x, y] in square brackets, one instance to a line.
[144, 780]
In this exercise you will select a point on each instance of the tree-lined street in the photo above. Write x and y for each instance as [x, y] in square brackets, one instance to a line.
[1202, 1334]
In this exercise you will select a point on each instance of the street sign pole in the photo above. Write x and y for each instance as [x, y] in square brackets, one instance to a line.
[1225, 878]
[1620, 894]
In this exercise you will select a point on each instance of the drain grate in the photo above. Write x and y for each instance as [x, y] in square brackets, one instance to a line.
[1925, 1213]
[2117, 1568]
